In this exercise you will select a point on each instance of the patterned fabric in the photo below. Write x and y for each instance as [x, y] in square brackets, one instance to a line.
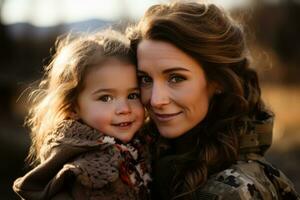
[251, 180]
[252, 177]
[258, 138]
[78, 162]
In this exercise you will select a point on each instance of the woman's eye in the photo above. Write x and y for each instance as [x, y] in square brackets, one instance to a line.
[176, 78]
[145, 80]
[106, 98]
[135, 95]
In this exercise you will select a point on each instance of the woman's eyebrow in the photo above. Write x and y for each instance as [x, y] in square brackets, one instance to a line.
[167, 70]
[175, 69]
[141, 72]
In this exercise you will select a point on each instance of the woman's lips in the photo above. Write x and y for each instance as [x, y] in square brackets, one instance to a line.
[166, 117]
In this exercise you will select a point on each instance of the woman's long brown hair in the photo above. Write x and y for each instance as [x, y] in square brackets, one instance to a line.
[210, 36]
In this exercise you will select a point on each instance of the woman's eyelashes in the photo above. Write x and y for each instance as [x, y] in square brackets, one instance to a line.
[174, 78]
[144, 80]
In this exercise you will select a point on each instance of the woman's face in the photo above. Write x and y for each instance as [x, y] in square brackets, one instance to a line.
[174, 88]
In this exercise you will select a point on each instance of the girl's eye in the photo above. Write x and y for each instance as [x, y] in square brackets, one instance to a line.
[106, 98]
[135, 95]
[145, 80]
[174, 78]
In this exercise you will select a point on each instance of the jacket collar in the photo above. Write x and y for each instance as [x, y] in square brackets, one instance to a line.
[258, 138]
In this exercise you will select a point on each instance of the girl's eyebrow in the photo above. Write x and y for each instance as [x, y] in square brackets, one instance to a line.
[110, 90]
[134, 89]
[103, 90]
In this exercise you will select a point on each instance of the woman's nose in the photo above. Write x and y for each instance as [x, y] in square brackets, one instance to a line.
[159, 96]
[123, 107]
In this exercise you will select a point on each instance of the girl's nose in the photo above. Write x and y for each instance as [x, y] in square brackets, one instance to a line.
[123, 107]
[159, 96]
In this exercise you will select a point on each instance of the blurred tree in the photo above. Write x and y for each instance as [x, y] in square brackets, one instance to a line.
[5, 50]
[278, 28]
[275, 28]
[288, 39]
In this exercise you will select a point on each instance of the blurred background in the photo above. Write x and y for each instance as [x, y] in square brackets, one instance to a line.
[28, 29]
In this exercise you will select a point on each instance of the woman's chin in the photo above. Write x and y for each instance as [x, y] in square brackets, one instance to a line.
[170, 133]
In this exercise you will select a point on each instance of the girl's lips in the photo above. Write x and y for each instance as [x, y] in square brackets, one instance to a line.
[123, 125]
[166, 117]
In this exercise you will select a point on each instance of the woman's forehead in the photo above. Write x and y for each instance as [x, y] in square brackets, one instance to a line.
[162, 55]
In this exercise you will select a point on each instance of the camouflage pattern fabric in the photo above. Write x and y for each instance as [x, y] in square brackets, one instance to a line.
[249, 180]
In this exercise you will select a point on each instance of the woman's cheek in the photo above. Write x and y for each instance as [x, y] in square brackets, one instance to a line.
[145, 95]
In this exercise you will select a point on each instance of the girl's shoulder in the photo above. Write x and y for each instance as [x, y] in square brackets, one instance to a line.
[252, 179]
[76, 133]
[72, 134]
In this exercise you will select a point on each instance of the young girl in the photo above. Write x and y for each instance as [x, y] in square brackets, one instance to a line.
[85, 114]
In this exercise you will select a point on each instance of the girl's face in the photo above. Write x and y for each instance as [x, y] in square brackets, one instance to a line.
[173, 87]
[110, 100]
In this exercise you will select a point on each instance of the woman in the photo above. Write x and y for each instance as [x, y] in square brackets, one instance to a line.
[205, 102]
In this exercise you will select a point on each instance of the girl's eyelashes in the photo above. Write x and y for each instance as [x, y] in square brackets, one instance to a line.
[105, 98]
[109, 98]
[134, 95]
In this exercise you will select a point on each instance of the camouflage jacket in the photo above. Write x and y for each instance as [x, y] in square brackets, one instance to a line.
[250, 178]
[254, 179]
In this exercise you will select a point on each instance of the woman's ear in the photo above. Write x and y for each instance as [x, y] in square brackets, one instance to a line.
[215, 89]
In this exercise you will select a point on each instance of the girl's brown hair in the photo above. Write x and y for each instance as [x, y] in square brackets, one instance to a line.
[56, 96]
[211, 37]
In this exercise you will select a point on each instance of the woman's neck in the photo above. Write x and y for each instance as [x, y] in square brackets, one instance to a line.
[187, 141]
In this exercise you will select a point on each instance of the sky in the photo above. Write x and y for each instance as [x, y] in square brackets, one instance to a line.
[53, 12]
